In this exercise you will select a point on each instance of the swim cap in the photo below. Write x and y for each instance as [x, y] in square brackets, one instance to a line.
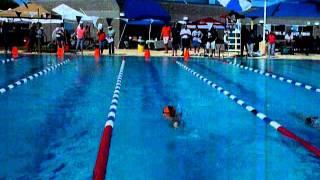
[166, 110]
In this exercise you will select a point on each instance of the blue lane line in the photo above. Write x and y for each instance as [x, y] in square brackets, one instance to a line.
[239, 86]
[274, 124]
[7, 60]
[31, 77]
[33, 70]
[274, 76]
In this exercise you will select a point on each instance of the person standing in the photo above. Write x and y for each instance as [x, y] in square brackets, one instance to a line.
[211, 42]
[185, 34]
[110, 38]
[271, 43]
[80, 31]
[250, 44]
[289, 38]
[101, 38]
[165, 35]
[175, 39]
[59, 36]
[196, 40]
[32, 37]
[244, 39]
[40, 37]
[226, 41]
[5, 36]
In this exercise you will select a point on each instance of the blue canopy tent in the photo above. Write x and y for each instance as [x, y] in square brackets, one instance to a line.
[144, 13]
[145, 9]
[147, 22]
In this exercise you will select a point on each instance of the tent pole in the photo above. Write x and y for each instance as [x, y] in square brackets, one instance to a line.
[150, 32]
[122, 35]
[264, 20]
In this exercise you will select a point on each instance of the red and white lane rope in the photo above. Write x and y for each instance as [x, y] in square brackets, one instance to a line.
[315, 150]
[100, 168]
[31, 77]
[7, 60]
[274, 76]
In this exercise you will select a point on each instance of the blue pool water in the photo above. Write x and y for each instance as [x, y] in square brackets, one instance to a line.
[51, 126]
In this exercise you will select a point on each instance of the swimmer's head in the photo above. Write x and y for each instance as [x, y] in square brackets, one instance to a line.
[169, 111]
[309, 120]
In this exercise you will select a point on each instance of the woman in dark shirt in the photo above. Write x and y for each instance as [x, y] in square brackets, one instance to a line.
[175, 39]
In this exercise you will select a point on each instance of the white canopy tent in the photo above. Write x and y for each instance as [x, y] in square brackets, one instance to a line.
[68, 13]
[28, 20]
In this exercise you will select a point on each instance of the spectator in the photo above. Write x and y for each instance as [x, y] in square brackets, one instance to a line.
[175, 39]
[110, 38]
[226, 40]
[289, 38]
[101, 38]
[204, 41]
[244, 39]
[271, 44]
[251, 39]
[165, 35]
[196, 40]
[185, 35]
[32, 37]
[80, 31]
[40, 37]
[5, 36]
[59, 35]
[211, 43]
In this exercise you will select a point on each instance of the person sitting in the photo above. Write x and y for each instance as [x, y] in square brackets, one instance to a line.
[170, 113]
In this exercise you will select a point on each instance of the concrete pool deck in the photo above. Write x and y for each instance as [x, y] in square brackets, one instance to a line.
[134, 52]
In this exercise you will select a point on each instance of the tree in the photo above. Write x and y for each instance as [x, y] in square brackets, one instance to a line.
[6, 4]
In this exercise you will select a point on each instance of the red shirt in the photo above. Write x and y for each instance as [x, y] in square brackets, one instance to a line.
[101, 36]
[272, 38]
[166, 31]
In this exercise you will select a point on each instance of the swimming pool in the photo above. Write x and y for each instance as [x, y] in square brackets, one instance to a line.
[51, 126]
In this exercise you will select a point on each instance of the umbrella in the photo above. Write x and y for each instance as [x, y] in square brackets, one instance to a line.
[236, 5]
[289, 9]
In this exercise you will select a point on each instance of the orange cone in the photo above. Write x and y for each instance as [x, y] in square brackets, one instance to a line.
[96, 52]
[60, 52]
[147, 54]
[186, 55]
[15, 52]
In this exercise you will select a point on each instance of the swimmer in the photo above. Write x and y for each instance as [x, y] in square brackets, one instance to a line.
[312, 121]
[170, 113]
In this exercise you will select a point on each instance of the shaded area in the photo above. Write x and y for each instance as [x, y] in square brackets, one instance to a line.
[60, 117]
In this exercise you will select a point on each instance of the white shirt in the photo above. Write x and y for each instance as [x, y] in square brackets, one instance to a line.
[288, 37]
[197, 35]
[185, 33]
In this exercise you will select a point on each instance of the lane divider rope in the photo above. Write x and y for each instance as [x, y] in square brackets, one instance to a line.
[31, 77]
[255, 112]
[7, 60]
[100, 168]
[274, 76]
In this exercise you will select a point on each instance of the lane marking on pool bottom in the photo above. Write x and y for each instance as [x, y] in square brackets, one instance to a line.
[7, 60]
[99, 171]
[31, 77]
[254, 111]
[274, 76]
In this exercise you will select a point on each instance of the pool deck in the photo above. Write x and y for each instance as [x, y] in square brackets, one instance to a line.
[134, 52]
